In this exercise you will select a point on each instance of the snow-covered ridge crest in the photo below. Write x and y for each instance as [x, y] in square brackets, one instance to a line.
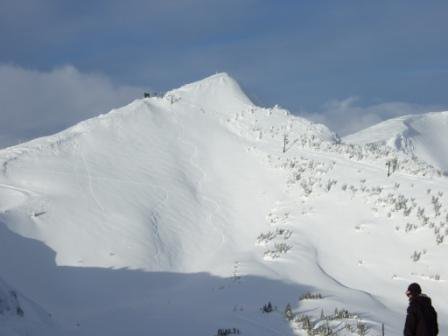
[219, 94]
[422, 135]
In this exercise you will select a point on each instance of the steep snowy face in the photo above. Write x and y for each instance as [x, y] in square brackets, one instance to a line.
[422, 135]
[117, 191]
[152, 185]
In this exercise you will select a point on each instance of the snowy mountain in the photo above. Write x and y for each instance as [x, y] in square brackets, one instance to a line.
[422, 135]
[187, 213]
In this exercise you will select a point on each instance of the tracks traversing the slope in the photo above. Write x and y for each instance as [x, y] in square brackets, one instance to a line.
[89, 181]
[199, 184]
[159, 245]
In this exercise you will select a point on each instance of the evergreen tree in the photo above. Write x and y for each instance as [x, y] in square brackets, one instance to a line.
[289, 315]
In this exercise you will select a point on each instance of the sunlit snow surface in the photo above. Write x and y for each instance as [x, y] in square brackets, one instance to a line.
[424, 135]
[185, 214]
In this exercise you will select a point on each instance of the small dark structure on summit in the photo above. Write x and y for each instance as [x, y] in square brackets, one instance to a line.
[150, 94]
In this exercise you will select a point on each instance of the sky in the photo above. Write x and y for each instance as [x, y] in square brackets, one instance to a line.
[347, 64]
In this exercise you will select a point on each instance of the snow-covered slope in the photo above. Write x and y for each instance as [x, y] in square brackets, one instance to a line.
[138, 177]
[20, 316]
[423, 135]
[189, 212]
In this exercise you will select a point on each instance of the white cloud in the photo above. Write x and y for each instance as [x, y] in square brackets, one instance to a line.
[36, 103]
[347, 116]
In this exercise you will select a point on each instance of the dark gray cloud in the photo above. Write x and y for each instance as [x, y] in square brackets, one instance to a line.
[34, 103]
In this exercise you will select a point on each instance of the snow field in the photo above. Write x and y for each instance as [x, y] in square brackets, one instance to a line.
[200, 207]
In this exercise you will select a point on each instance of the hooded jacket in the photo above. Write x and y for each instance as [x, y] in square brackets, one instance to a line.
[421, 319]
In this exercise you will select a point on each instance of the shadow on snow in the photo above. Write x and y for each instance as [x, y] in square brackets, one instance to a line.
[91, 300]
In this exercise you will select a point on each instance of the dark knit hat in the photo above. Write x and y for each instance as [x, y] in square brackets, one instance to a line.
[414, 289]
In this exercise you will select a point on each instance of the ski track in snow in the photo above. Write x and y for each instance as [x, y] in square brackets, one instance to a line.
[28, 193]
[89, 179]
[199, 183]
[160, 245]
[339, 283]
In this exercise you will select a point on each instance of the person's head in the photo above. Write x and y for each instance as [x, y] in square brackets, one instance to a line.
[413, 290]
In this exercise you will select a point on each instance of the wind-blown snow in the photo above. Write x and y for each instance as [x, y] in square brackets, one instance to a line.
[186, 213]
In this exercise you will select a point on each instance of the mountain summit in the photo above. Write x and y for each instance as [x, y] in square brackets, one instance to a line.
[216, 90]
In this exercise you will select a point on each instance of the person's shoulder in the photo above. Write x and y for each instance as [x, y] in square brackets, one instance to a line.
[423, 299]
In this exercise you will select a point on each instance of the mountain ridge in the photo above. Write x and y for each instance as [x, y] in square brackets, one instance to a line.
[422, 135]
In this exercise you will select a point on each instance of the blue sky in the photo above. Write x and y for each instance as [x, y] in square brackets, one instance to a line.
[327, 60]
